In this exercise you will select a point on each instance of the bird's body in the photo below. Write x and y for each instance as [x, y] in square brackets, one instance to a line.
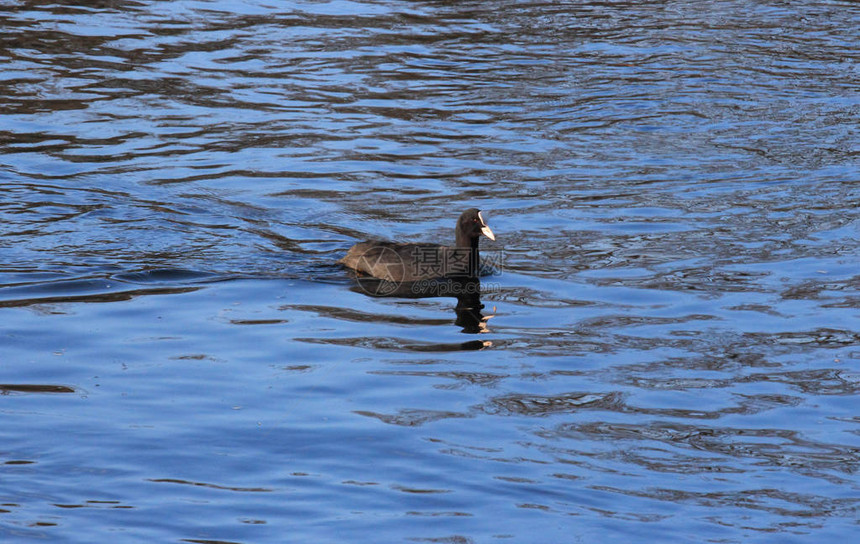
[402, 262]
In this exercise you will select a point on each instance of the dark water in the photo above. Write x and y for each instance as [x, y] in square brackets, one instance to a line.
[670, 350]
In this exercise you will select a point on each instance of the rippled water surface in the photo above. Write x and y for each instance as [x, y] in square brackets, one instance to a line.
[669, 349]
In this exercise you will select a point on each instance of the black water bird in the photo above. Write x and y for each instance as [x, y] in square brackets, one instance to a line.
[400, 263]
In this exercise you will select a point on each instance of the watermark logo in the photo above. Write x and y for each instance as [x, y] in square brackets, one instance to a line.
[435, 262]
[453, 287]
[492, 263]
[388, 271]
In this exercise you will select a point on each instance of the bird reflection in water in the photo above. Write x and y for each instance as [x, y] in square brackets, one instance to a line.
[467, 291]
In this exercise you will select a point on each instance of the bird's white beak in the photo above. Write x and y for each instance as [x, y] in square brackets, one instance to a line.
[485, 230]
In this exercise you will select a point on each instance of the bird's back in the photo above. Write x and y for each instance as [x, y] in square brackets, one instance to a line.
[399, 262]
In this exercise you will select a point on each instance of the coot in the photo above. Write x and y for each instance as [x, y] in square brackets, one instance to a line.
[397, 262]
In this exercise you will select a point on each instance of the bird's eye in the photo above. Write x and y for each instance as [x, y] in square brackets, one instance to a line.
[475, 220]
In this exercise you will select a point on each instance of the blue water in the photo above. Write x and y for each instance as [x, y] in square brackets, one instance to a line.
[667, 349]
